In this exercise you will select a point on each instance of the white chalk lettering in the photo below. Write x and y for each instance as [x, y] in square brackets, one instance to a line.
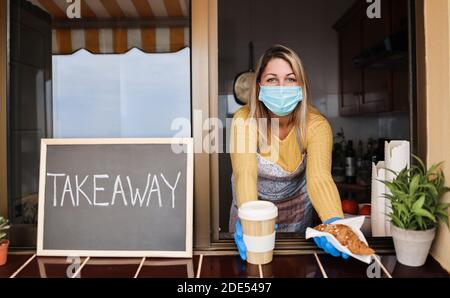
[155, 182]
[67, 188]
[99, 189]
[89, 186]
[78, 189]
[172, 188]
[54, 185]
[137, 195]
[117, 184]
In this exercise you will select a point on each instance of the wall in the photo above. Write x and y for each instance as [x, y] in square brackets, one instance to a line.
[437, 61]
[3, 154]
[305, 26]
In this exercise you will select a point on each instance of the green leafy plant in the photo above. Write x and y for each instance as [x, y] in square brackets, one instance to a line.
[3, 227]
[415, 196]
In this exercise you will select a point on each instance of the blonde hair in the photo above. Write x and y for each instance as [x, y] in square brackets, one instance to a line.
[257, 108]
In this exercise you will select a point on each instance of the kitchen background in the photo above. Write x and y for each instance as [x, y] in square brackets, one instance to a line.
[366, 100]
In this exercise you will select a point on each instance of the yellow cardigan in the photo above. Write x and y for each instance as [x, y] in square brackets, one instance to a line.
[321, 188]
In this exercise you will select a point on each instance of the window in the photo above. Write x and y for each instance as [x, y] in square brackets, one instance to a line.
[135, 94]
[122, 69]
[333, 78]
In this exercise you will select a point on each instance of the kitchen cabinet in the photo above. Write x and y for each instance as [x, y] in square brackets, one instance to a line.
[369, 89]
[400, 76]
[376, 81]
[350, 77]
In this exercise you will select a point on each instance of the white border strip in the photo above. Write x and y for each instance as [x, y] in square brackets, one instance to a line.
[23, 266]
[139, 268]
[382, 266]
[199, 267]
[81, 267]
[324, 274]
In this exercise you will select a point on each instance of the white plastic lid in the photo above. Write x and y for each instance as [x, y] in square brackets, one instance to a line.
[258, 211]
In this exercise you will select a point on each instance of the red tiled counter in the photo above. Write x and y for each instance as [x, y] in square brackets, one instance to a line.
[215, 266]
[282, 266]
[15, 261]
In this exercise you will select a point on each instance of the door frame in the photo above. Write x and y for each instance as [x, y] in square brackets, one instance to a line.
[417, 129]
[4, 93]
[434, 102]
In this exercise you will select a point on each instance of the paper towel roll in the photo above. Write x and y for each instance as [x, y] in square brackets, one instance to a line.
[378, 213]
[397, 157]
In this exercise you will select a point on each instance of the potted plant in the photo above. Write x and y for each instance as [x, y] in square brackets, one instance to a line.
[4, 243]
[417, 209]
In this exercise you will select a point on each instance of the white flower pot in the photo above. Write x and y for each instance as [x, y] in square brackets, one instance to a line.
[412, 247]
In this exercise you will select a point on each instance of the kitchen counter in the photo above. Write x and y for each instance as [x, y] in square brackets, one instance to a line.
[21, 265]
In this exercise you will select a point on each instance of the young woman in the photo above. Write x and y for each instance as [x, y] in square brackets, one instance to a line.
[292, 167]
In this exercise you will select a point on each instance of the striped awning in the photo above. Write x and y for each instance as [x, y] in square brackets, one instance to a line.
[155, 37]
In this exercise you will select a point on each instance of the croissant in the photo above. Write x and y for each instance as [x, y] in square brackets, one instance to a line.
[347, 238]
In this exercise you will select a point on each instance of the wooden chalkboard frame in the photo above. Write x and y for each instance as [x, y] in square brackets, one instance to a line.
[187, 253]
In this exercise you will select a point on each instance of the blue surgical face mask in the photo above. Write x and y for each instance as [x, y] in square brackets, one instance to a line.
[281, 100]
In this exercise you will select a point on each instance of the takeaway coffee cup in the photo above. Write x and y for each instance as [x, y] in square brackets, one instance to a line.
[258, 227]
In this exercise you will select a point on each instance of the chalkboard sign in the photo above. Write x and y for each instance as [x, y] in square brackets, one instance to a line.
[116, 197]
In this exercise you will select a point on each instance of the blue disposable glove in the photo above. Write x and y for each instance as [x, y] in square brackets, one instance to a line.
[239, 240]
[324, 244]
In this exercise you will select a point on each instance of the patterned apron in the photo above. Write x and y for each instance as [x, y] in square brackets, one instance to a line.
[286, 190]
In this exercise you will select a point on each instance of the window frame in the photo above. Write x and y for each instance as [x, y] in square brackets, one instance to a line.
[204, 96]
[206, 189]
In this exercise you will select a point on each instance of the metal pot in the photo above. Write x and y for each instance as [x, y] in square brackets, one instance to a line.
[242, 84]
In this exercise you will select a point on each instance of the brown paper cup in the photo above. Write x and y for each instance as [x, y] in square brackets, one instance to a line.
[258, 226]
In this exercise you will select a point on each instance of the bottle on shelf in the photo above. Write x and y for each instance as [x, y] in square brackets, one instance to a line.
[371, 152]
[363, 166]
[359, 155]
[350, 165]
[338, 168]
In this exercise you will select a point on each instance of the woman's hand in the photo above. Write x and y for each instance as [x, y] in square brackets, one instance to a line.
[239, 240]
[324, 244]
